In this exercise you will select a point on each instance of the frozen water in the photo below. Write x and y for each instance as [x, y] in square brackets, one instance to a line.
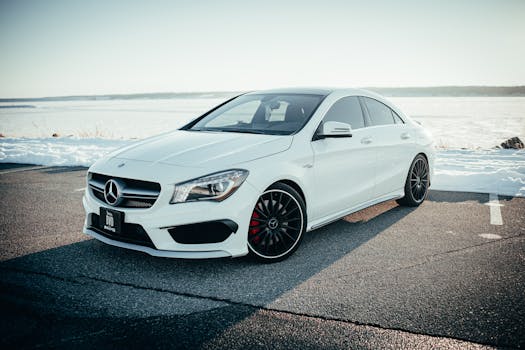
[465, 130]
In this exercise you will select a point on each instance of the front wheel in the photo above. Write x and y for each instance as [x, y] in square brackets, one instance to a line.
[417, 183]
[277, 224]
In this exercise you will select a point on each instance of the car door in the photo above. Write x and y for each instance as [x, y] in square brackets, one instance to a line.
[343, 167]
[392, 142]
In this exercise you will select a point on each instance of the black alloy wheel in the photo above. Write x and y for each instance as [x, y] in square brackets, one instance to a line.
[277, 223]
[417, 183]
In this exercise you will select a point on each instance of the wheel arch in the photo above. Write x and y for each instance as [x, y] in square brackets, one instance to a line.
[293, 185]
[412, 160]
[414, 157]
[423, 154]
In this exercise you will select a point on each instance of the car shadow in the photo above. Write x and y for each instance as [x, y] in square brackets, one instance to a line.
[457, 197]
[237, 279]
[242, 284]
[65, 169]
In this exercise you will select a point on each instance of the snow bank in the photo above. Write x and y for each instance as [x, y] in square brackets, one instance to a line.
[486, 171]
[56, 151]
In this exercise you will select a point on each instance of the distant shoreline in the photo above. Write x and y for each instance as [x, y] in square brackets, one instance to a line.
[431, 91]
[18, 106]
[451, 91]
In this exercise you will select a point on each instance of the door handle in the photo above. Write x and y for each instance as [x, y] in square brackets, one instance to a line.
[366, 140]
[405, 136]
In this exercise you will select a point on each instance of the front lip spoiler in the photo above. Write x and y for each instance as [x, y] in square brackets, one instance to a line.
[160, 253]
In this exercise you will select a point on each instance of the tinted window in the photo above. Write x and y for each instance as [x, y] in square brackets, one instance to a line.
[346, 110]
[238, 115]
[278, 113]
[380, 114]
[273, 114]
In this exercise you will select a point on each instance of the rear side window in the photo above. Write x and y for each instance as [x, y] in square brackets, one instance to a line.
[397, 118]
[346, 110]
[380, 114]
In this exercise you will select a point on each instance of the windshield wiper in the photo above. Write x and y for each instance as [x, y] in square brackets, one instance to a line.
[239, 130]
[244, 131]
[206, 129]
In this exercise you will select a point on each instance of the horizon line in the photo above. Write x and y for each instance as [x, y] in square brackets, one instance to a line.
[204, 92]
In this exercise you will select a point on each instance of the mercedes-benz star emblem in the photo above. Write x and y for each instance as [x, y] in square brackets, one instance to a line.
[273, 223]
[112, 191]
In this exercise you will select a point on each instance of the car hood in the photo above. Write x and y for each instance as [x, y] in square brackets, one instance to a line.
[204, 149]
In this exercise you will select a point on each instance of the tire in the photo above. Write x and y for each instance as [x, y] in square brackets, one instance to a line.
[417, 183]
[277, 224]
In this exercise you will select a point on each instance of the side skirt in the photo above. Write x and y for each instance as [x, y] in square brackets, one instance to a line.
[332, 218]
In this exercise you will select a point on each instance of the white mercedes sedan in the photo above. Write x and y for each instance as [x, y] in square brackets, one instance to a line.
[255, 173]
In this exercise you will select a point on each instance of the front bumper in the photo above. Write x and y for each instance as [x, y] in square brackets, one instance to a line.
[162, 216]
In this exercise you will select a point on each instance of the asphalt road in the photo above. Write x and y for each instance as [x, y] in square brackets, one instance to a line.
[439, 276]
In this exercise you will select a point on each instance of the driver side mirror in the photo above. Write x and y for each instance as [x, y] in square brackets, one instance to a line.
[331, 129]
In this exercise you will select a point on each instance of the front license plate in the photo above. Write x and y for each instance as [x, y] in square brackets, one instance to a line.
[111, 220]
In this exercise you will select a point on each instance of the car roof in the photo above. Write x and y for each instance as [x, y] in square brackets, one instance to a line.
[315, 91]
[308, 91]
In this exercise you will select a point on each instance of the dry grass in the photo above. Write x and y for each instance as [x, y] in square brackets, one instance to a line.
[97, 133]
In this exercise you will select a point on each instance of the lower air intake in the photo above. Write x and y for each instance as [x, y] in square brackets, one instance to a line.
[203, 232]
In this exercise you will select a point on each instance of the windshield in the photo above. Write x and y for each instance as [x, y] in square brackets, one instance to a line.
[272, 114]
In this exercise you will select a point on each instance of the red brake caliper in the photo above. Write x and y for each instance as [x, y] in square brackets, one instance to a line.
[253, 227]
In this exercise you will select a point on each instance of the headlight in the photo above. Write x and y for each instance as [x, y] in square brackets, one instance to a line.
[217, 187]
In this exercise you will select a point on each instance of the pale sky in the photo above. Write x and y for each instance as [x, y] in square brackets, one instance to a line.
[70, 47]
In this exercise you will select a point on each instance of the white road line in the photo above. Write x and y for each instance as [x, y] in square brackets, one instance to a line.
[489, 236]
[17, 170]
[80, 189]
[495, 211]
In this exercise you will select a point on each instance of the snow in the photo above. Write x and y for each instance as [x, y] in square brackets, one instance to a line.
[467, 122]
[487, 171]
[496, 171]
[109, 119]
[455, 122]
[465, 129]
[56, 151]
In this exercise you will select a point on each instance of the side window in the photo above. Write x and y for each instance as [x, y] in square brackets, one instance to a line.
[397, 118]
[380, 114]
[346, 110]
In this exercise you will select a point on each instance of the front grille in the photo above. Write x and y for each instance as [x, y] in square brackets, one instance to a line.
[203, 232]
[131, 233]
[135, 193]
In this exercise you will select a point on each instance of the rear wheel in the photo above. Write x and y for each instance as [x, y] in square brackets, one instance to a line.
[417, 183]
[277, 224]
